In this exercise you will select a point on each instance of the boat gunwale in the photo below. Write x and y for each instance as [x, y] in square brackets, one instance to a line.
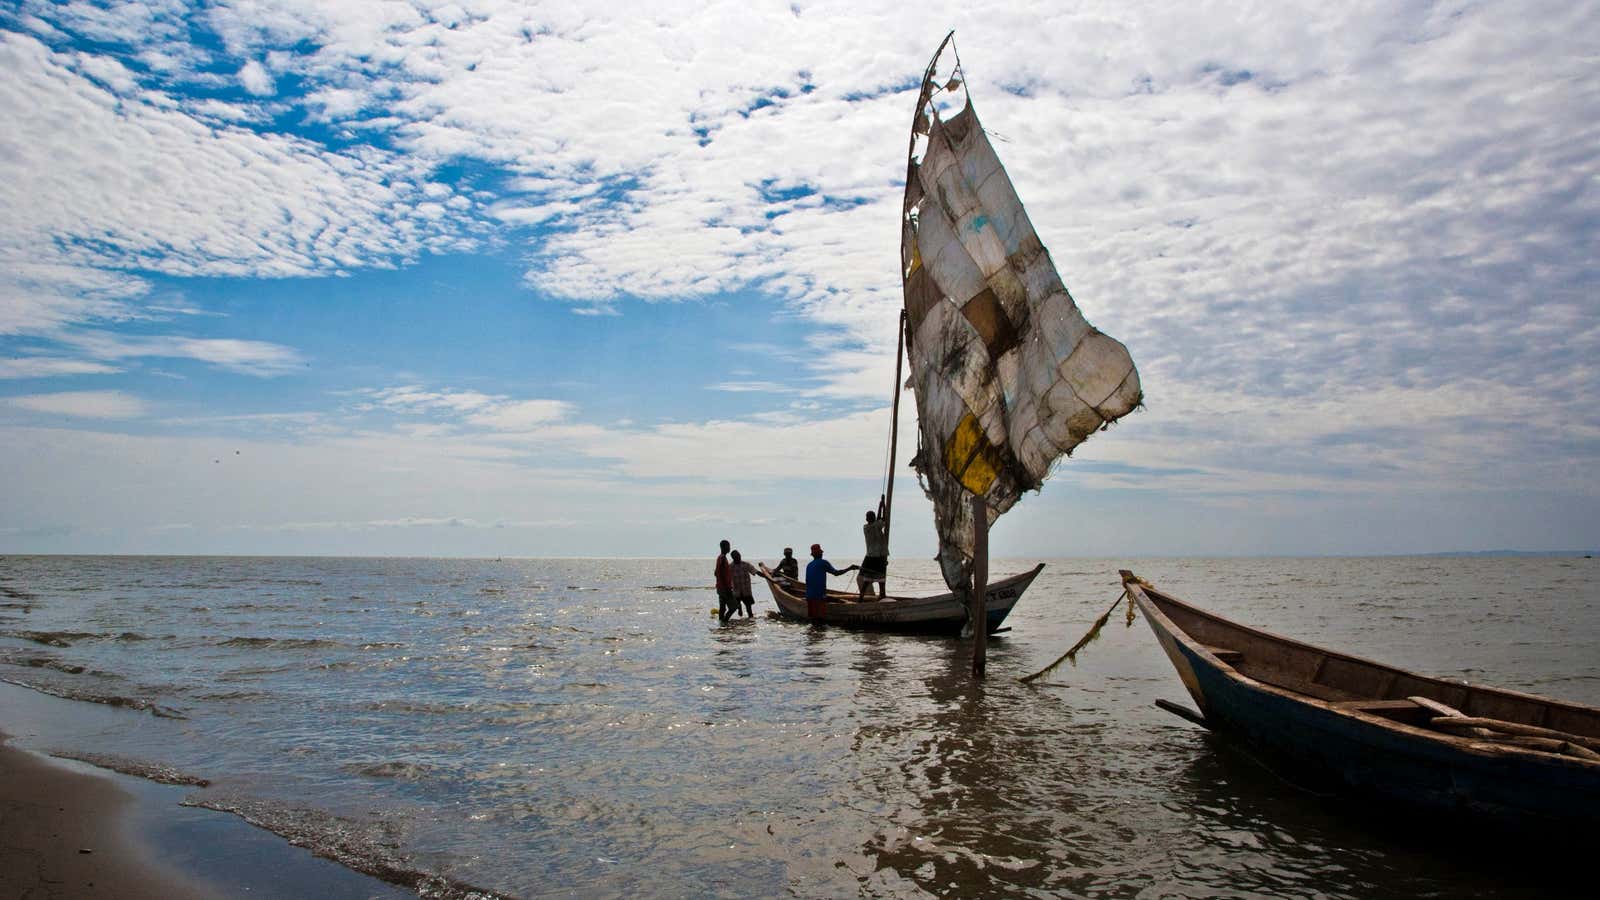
[1142, 594]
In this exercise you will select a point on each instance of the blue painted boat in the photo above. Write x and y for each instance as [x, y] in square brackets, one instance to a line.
[939, 614]
[1377, 730]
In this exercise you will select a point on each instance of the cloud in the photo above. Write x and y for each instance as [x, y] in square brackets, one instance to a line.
[245, 357]
[83, 404]
[470, 409]
[118, 178]
[256, 80]
[752, 387]
[520, 414]
[48, 366]
[1349, 246]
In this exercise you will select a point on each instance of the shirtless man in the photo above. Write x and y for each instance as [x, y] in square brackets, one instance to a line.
[875, 566]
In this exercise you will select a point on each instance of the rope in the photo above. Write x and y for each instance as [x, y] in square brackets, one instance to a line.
[1094, 632]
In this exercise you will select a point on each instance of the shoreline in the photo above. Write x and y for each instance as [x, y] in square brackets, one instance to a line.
[143, 845]
[65, 833]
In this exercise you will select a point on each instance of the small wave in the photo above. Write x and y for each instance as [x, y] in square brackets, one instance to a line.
[365, 847]
[147, 770]
[280, 643]
[45, 662]
[382, 645]
[135, 703]
[395, 769]
[15, 594]
[53, 638]
[671, 588]
[68, 638]
[413, 706]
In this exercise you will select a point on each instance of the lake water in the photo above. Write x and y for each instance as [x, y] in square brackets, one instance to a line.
[542, 726]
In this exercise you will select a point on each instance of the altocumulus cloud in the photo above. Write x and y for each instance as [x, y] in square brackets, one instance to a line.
[1350, 246]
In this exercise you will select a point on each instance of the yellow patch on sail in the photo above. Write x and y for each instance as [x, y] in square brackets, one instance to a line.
[970, 457]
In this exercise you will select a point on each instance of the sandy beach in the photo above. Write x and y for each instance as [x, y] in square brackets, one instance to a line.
[65, 833]
[141, 841]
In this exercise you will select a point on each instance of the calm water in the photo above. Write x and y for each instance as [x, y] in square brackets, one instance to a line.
[540, 726]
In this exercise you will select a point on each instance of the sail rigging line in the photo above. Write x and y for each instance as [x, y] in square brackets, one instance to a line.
[1088, 638]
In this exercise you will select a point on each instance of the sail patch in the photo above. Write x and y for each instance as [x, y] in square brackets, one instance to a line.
[971, 458]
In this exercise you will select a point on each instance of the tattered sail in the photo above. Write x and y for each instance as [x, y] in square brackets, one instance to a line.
[1008, 375]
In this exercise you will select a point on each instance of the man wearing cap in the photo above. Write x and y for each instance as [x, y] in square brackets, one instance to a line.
[817, 572]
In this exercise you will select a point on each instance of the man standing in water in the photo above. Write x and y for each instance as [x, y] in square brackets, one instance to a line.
[875, 567]
[742, 594]
[817, 572]
[726, 605]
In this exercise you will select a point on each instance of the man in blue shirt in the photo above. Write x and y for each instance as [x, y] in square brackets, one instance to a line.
[817, 572]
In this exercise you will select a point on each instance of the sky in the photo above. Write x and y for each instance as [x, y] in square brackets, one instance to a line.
[505, 278]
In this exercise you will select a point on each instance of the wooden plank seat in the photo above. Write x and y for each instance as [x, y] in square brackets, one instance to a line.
[1228, 656]
[1377, 706]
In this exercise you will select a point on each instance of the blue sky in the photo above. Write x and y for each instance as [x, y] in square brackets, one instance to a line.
[500, 278]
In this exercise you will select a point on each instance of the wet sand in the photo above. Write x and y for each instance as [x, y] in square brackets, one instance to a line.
[143, 843]
[65, 833]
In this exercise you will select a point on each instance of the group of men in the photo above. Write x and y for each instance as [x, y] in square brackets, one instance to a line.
[734, 595]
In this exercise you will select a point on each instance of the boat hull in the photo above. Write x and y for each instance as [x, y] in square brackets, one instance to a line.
[939, 614]
[1340, 738]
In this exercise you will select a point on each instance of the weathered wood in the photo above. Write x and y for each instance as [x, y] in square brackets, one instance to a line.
[1449, 714]
[1542, 768]
[1377, 705]
[1228, 656]
[894, 423]
[1183, 712]
[1436, 706]
[1546, 745]
[944, 613]
[1460, 721]
[980, 583]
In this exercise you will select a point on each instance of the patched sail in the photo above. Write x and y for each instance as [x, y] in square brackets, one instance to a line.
[1007, 373]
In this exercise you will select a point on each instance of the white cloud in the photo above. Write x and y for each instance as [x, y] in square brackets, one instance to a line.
[47, 366]
[520, 414]
[1349, 246]
[116, 178]
[83, 404]
[255, 79]
[245, 357]
[752, 387]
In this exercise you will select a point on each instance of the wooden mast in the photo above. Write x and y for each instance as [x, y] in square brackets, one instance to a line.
[978, 609]
[894, 421]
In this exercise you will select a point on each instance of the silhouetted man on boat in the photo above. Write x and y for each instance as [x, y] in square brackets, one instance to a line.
[817, 572]
[875, 566]
[788, 567]
[726, 605]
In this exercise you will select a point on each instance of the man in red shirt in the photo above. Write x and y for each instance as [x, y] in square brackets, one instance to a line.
[726, 605]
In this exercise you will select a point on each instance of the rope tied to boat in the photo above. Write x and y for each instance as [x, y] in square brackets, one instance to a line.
[1089, 638]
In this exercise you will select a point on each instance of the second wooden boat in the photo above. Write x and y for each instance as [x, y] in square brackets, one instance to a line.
[1380, 730]
[939, 614]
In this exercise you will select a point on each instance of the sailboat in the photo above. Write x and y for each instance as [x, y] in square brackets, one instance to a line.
[1007, 373]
